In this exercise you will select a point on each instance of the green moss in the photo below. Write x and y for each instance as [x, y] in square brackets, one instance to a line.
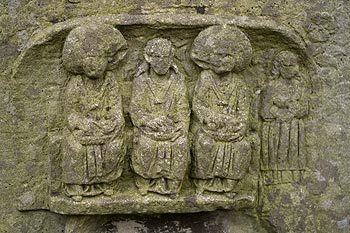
[295, 208]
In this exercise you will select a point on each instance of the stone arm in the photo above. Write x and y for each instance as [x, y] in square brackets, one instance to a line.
[88, 130]
[300, 108]
[296, 107]
[267, 104]
[200, 103]
[242, 109]
[77, 122]
[182, 115]
[236, 122]
[273, 108]
[140, 116]
[111, 119]
[162, 128]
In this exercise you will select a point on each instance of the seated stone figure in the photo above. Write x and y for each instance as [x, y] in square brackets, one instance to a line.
[160, 113]
[221, 151]
[93, 148]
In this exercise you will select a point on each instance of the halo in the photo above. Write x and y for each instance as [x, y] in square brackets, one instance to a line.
[92, 40]
[222, 39]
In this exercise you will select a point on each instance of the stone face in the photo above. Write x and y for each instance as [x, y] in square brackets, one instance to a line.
[233, 105]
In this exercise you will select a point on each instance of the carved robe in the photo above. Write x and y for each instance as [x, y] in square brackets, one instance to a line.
[159, 154]
[220, 147]
[284, 105]
[93, 150]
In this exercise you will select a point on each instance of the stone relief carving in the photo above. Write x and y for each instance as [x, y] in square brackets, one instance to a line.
[119, 126]
[160, 112]
[283, 108]
[221, 152]
[93, 147]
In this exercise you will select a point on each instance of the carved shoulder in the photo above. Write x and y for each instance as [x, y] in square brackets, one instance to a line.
[243, 88]
[111, 79]
[73, 89]
[179, 80]
[204, 80]
[140, 81]
[206, 75]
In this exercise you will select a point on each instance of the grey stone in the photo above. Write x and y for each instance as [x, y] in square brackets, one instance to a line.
[310, 197]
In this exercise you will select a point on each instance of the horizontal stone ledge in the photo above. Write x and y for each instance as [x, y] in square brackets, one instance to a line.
[150, 204]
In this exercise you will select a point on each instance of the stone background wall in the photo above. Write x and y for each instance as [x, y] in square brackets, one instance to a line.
[322, 204]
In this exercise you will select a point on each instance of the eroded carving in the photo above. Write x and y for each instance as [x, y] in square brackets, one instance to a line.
[93, 148]
[79, 133]
[160, 112]
[283, 108]
[221, 153]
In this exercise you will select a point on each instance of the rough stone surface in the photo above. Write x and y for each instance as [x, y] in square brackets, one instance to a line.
[318, 203]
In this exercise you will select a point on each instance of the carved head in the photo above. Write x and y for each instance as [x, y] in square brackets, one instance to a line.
[93, 49]
[159, 53]
[286, 65]
[222, 49]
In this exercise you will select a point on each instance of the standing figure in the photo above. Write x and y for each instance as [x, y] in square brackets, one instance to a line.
[93, 147]
[160, 112]
[222, 153]
[284, 105]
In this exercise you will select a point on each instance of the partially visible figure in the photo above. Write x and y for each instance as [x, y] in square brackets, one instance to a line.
[222, 153]
[160, 112]
[93, 149]
[284, 106]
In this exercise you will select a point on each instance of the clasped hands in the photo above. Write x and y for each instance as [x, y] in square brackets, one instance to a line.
[166, 125]
[225, 127]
